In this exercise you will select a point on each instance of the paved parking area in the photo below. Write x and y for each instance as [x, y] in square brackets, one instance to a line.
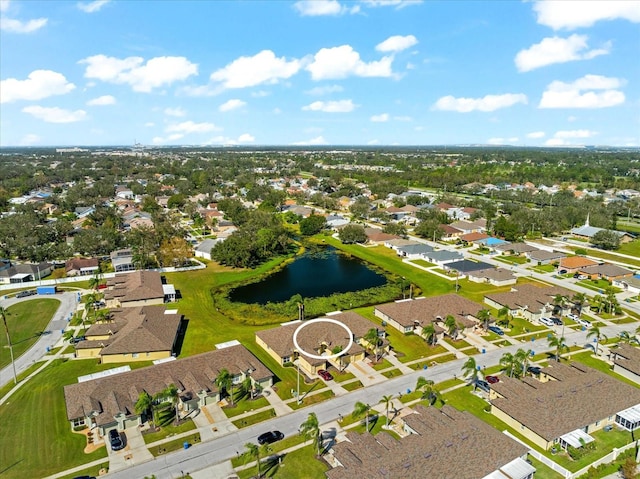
[135, 451]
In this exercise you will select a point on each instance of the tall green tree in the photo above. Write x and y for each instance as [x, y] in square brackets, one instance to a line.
[253, 452]
[484, 316]
[310, 429]
[470, 370]
[360, 409]
[429, 391]
[598, 335]
[559, 344]
[387, 400]
[224, 381]
[374, 341]
[429, 333]
[144, 405]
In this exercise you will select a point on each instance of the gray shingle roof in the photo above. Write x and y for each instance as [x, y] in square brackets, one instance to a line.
[427, 310]
[135, 286]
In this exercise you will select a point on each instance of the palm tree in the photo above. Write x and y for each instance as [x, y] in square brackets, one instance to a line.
[599, 302]
[429, 333]
[485, 318]
[359, 409]
[509, 362]
[144, 404]
[578, 301]
[310, 429]
[90, 299]
[470, 370]
[558, 302]
[451, 325]
[597, 334]
[224, 381]
[611, 300]
[373, 340]
[95, 280]
[3, 313]
[522, 357]
[171, 392]
[626, 337]
[504, 312]
[429, 392]
[253, 452]
[559, 343]
[387, 401]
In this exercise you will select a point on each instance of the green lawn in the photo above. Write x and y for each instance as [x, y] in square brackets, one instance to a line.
[175, 445]
[423, 263]
[254, 419]
[544, 268]
[298, 464]
[313, 399]
[381, 364]
[39, 441]
[392, 373]
[632, 248]
[352, 386]
[512, 259]
[26, 322]
[629, 249]
[245, 405]
[168, 430]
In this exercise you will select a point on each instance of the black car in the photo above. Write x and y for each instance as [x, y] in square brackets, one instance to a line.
[557, 321]
[84, 477]
[484, 385]
[534, 370]
[115, 440]
[269, 437]
[24, 294]
[497, 330]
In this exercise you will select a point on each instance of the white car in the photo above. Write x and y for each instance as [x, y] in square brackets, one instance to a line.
[546, 321]
[573, 317]
[583, 322]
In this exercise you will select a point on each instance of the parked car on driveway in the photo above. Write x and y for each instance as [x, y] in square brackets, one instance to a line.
[115, 440]
[583, 322]
[269, 437]
[492, 379]
[546, 321]
[557, 321]
[484, 385]
[573, 317]
[24, 294]
[534, 370]
[324, 374]
[497, 330]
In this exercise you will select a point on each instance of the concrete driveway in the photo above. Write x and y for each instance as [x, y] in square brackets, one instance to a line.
[135, 451]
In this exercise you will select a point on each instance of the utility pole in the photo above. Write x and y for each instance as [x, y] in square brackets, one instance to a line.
[6, 328]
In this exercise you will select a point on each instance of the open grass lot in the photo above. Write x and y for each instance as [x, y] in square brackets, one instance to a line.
[26, 322]
[313, 399]
[275, 447]
[91, 471]
[544, 268]
[168, 430]
[632, 248]
[629, 250]
[39, 441]
[511, 259]
[298, 464]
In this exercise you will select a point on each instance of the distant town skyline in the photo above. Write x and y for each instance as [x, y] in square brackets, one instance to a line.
[320, 72]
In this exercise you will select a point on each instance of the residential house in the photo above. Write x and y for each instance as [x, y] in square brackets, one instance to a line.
[606, 271]
[516, 249]
[632, 285]
[396, 243]
[24, 272]
[442, 257]
[626, 361]
[411, 315]
[531, 302]
[588, 232]
[84, 211]
[133, 334]
[109, 402]
[494, 276]
[318, 338]
[124, 193]
[449, 232]
[565, 405]
[81, 266]
[377, 236]
[335, 221]
[122, 260]
[573, 264]
[469, 227]
[203, 250]
[463, 267]
[472, 237]
[545, 257]
[140, 288]
[414, 251]
[441, 443]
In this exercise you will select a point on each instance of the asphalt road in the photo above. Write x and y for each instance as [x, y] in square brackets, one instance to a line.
[203, 455]
[53, 332]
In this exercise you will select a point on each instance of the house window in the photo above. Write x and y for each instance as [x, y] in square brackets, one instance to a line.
[134, 355]
[286, 359]
[79, 422]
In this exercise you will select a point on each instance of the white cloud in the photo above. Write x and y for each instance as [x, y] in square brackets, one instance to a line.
[233, 104]
[536, 134]
[343, 61]
[339, 106]
[373, 142]
[4, 5]
[397, 43]
[158, 140]
[324, 90]
[38, 85]
[486, 103]
[318, 140]
[557, 50]
[224, 140]
[12, 25]
[149, 124]
[102, 101]
[191, 127]
[177, 112]
[380, 118]
[575, 134]
[55, 114]
[260, 94]
[30, 139]
[315, 8]
[584, 13]
[277, 111]
[246, 138]
[583, 93]
[503, 141]
[142, 77]
[261, 68]
[92, 7]
[391, 3]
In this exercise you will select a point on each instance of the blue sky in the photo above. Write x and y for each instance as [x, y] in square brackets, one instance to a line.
[370, 72]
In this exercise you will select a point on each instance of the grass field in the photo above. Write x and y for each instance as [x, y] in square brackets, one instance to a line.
[298, 464]
[26, 322]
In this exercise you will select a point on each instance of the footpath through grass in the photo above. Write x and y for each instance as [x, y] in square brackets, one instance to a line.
[26, 321]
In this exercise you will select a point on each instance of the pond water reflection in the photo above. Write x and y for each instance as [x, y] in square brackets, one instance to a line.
[319, 272]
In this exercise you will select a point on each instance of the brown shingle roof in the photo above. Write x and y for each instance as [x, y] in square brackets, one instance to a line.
[427, 310]
[607, 270]
[628, 357]
[79, 263]
[280, 339]
[528, 296]
[135, 286]
[449, 444]
[111, 395]
[573, 262]
[578, 397]
[496, 274]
